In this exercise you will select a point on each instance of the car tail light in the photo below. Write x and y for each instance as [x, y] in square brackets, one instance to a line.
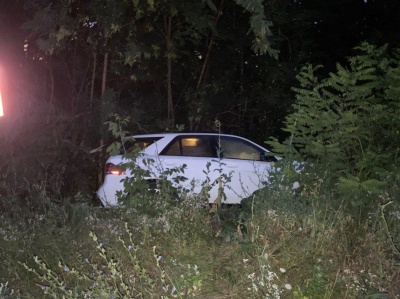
[114, 169]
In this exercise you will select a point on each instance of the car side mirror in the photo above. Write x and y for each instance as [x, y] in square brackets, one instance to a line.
[262, 157]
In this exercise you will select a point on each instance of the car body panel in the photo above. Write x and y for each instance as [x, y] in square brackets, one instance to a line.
[230, 160]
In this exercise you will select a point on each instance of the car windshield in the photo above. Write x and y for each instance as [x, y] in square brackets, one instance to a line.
[131, 144]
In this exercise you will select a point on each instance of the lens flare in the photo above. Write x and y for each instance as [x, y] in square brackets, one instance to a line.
[1, 106]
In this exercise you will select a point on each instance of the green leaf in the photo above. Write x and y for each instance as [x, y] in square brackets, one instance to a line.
[114, 148]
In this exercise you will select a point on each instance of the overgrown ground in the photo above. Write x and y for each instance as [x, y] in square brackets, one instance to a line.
[280, 244]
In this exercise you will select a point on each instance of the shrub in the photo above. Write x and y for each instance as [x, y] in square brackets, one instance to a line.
[347, 124]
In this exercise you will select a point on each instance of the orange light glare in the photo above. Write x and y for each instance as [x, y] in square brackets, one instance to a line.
[116, 172]
[1, 106]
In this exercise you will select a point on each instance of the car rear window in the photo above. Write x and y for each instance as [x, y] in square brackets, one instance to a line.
[131, 144]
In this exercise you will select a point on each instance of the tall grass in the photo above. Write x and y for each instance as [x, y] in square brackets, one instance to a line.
[282, 244]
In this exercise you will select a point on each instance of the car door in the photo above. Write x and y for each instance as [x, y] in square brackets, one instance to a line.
[246, 166]
[199, 156]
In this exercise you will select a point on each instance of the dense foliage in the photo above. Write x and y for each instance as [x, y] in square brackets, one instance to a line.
[347, 124]
[160, 53]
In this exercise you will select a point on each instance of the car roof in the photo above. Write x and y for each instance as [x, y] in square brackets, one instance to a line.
[166, 138]
[181, 134]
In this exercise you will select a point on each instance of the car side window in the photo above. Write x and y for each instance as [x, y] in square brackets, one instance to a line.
[236, 148]
[173, 149]
[131, 144]
[194, 146]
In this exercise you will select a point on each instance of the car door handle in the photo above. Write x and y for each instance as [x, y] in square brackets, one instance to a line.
[231, 166]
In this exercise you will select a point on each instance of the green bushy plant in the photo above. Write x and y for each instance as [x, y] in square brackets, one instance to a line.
[41, 145]
[347, 124]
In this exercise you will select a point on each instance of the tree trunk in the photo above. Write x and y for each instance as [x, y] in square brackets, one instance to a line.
[103, 90]
[209, 47]
[104, 77]
[205, 63]
[207, 58]
[168, 29]
[93, 78]
[81, 88]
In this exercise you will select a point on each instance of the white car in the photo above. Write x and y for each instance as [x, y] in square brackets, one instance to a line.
[238, 165]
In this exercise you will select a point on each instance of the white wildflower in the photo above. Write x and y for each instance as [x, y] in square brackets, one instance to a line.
[288, 287]
[295, 186]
